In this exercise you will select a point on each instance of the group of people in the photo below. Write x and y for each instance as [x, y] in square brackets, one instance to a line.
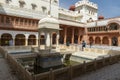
[83, 44]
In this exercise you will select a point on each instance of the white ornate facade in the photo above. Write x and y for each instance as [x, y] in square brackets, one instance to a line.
[19, 22]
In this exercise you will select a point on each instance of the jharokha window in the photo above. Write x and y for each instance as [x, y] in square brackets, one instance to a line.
[33, 6]
[7, 20]
[113, 26]
[22, 3]
[8, 1]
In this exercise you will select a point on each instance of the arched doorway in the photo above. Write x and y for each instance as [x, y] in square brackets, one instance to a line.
[54, 35]
[20, 40]
[105, 41]
[32, 40]
[5, 39]
[61, 41]
[69, 35]
[97, 40]
[81, 38]
[91, 40]
[75, 39]
[114, 41]
[42, 40]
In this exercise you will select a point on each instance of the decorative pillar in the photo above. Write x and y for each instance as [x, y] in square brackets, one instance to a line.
[94, 39]
[47, 40]
[14, 19]
[110, 41]
[13, 41]
[72, 35]
[39, 40]
[50, 40]
[0, 39]
[0, 19]
[101, 39]
[78, 36]
[118, 41]
[26, 39]
[36, 41]
[57, 39]
[4, 20]
[65, 35]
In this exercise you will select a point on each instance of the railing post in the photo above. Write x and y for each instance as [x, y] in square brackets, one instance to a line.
[70, 73]
[103, 60]
[51, 75]
[95, 65]
[84, 66]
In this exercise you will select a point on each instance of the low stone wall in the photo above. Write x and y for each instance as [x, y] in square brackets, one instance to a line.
[3, 52]
[14, 49]
[17, 68]
[74, 48]
[101, 51]
[66, 73]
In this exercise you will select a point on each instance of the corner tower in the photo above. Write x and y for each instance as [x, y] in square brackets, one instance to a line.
[87, 9]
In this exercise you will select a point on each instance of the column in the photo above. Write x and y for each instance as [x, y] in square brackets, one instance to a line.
[47, 40]
[14, 20]
[13, 40]
[0, 39]
[57, 39]
[26, 39]
[93, 39]
[36, 41]
[4, 20]
[39, 40]
[110, 41]
[65, 35]
[0, 19]
[78, 36]
[50, 40]
[119, 41]
[72, 35]
[101, 38]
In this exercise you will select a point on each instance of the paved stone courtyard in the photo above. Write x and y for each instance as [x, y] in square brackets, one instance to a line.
[5, 71]
[111, 72]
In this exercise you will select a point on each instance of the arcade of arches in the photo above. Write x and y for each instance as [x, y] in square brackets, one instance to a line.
[105, 35]
[71, 34]
[105, 40]
[19, 40]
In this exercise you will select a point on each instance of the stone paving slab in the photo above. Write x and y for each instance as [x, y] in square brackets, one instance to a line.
[5, 71]
[111, 72]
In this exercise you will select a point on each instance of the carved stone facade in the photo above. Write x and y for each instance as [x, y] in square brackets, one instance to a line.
[19, 25]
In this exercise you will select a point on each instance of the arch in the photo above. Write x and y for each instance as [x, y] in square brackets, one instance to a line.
[97, 40]
[114, 41]
[42, 39]
[91, 39]
[32, 40]
[20, 40]
[75, 39]
[5, 39]
[113, 26]
[54, 35]
[105, 41]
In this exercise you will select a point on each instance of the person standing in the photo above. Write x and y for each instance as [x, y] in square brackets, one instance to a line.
[83, 45]
[90, 44]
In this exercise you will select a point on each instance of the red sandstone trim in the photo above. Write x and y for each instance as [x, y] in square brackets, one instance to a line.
[17, 29]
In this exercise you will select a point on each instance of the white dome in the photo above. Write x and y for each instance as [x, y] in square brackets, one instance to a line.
[49, 19]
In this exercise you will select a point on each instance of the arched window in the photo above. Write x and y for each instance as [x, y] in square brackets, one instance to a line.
[33, 6]
[22, 3]
[113, 26]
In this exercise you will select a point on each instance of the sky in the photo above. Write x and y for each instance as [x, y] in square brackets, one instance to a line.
[107, 8]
